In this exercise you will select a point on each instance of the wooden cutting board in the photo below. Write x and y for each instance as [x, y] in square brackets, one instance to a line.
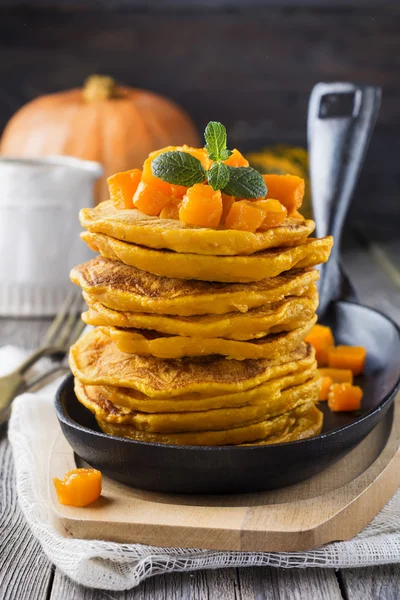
[334, 505]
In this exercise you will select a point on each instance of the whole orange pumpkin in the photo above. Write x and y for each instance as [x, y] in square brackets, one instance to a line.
[115, 125]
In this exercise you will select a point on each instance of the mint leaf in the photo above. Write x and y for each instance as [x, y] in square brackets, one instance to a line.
[179, 168]
[245, 182]
[225, 154]
[218, 175]
[215, 136]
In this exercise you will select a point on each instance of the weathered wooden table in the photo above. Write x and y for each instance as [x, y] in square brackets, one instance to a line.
[27, 574]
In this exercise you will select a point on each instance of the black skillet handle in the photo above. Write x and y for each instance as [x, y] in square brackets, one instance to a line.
[341, 118]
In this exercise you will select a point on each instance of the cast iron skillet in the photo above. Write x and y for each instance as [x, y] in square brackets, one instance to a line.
[341, 119]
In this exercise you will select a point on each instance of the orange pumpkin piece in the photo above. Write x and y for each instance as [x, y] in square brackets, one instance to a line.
[78, 487]
[348, 357]
[199, 153]
[288, 189]
[337, 375]
[148, 177]
[275, 212]
[178, 191]
[326, 383]
[227, 202]
[245, 216]
[201, 206]
[122, 187]
[171, 210]
[236, 159]
[321, 338]
[297, 215]
[343, 397]
[149, 199]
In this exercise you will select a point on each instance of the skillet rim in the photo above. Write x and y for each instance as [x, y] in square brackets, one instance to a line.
[62, 416]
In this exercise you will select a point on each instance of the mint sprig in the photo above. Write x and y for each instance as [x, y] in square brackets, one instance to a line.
[245, 182]
[215, 136]
[181, 168]
[218, 175]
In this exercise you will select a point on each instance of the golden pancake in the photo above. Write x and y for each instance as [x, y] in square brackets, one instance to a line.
[127, 400]
[135, 227]
[303, 421]
[165, 263]
[209, 420]
[125, 288]
[95, 360]
[161, 345]
[308, 424]
[257, 322]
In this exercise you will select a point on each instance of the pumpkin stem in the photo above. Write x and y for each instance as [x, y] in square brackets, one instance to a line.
[99, 87]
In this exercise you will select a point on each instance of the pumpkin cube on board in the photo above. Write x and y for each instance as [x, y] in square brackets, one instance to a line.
[244, 215]
[344, 397]
[348, 357]
[78, 487]
[288, 189]
[149, 199]
[275, 212]
[337, 375]
[326, 383]
[201, 206]
[321, 338]
[122, 187]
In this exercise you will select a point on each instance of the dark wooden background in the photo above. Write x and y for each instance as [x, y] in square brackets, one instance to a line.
[250, 64]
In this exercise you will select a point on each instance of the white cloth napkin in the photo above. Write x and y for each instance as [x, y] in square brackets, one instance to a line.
[113, 566]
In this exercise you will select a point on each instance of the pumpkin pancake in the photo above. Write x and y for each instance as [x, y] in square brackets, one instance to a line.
[285, 315]
[161, 345]
[303, 421]
[96, 360]
[125, 288]
[166, 263]
[128, 400]
[208, 420]
[135, 227]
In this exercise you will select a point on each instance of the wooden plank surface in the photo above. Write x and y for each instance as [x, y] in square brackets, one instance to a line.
[253, 583]
[378, 583]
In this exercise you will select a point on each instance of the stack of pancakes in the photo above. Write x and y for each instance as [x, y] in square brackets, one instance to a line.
[199, 333]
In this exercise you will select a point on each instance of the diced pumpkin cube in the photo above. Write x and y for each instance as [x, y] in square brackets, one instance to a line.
[337, 375]
[78, 487]
[275, 212]
[227, 202]
[199, 153]
[244, 215]
[348, 357]
[343, 397]
[148, 177]
[288, 189]
[326, 383]
[149, 199]
[296, 215]
[178, 191]
[236, 159]
[201, 206]
[171, 210]
[321, 338]
[122, 187]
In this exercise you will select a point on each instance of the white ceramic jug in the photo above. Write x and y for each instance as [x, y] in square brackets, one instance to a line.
[39, 230]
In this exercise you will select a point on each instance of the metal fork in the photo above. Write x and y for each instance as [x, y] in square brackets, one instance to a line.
[63, 331]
